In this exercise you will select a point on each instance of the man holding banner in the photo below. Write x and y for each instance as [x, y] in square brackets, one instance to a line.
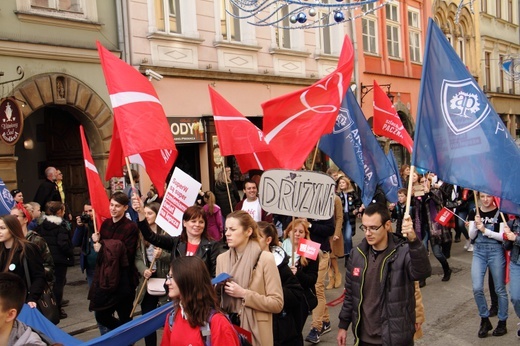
[380, 299]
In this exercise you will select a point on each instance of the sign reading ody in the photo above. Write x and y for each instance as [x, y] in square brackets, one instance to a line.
[298, 193]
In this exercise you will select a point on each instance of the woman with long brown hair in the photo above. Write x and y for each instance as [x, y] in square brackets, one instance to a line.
[14, 248]
[255, 291]
[195, 307]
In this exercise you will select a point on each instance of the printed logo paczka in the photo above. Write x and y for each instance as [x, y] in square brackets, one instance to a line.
[356, 271]
[463, 105]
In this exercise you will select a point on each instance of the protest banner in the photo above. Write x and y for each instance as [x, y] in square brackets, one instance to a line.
[181, 193]
[298, 193]
[308, 248]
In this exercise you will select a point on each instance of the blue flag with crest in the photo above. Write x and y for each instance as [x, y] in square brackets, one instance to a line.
[355, 150]
[393, 183]
[458, 135]
[6, 200]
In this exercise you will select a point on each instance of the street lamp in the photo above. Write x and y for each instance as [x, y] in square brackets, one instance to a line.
[365, 89]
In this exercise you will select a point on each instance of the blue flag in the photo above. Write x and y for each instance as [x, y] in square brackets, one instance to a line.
[509, 207]
[458, 134]
[355, 150]
[393, 183]
[6, 200]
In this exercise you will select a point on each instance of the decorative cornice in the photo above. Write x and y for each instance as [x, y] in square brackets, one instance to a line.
[174, 38]
[226, 76]
[49, 52]
[233, 45]
[69, 23]
[289, 52]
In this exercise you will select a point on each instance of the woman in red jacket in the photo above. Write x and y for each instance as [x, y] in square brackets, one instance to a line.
[195, 307]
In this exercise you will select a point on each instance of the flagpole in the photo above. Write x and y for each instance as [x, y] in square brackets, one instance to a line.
[476, 203]
[224, 175]
[453, 213]
[142, 289]
[129, 172]
[291, 235]
[409, 193]
[94, 220]
[315, 153]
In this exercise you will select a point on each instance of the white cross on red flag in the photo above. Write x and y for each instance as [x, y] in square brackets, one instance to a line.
[141, 131]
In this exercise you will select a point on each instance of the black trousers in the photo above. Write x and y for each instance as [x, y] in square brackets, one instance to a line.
[123, 309]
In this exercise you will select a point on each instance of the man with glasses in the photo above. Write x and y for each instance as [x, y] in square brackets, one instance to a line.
[380, 293]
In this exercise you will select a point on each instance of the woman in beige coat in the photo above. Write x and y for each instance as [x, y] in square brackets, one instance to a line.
[254, 292]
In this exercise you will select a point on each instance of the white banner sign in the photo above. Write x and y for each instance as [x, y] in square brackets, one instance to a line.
[181, 193]
[298, 193]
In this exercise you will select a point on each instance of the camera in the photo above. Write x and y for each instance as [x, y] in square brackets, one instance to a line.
[85, 218]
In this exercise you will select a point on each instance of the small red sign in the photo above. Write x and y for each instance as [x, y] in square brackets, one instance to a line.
[308, 248]
[356, 271]
[11, 121]
[444, 216]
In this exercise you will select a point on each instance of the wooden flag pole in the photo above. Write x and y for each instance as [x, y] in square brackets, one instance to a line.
[94, 221]
[141, 290]
[291, 236]
[129, 172]
[224, 175]
[476, 202]
[314, 157]
[409, 193]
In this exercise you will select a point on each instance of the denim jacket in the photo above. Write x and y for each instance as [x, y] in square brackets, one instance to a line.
[514, 246]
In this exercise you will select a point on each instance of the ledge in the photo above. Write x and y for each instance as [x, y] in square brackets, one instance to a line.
[160, 36]
[59, 21]
[236, 45]
[289, 52]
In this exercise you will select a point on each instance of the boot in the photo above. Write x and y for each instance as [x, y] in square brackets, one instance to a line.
[485, 327]
[501, 329]
[447, 275]
[331, 279]
[337, 280]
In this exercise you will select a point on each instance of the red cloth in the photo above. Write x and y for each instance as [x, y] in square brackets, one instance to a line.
[141, 131]
[222, 333]
[293, 123]
[386, 121]
[96, 190]
[240, 137]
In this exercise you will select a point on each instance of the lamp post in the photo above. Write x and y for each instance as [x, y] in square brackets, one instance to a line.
[365, 89]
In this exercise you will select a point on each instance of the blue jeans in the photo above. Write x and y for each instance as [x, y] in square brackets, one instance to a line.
[514, 286]
[489, 256]
[347, 237]
[439, 255]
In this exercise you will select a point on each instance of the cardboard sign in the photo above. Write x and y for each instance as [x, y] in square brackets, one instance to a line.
[308, 248]
[298, 193]
[444, 216]
[181, 193]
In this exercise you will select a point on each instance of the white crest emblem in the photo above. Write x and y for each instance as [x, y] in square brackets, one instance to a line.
[343, 121]
[463, 105]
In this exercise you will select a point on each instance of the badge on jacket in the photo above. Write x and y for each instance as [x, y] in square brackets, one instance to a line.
[356, 271]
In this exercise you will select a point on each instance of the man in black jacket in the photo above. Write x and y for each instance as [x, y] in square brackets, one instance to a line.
[48, 190]
[380, 293]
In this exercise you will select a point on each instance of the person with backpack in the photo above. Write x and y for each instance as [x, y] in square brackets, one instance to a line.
[195, 319]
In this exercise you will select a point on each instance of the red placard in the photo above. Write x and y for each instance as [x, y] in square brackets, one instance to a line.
[444, 216]
[308, 248]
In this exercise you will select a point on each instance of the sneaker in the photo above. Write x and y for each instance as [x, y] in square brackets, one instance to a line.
[313, 337]
[467, 244]
[325, 328]
[470, 248]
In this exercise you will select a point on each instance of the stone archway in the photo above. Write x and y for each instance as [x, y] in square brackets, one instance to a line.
[58, 89]
[62, 89]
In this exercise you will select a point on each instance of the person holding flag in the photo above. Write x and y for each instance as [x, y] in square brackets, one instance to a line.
[486, 229]
[512, 242]
[381, 310]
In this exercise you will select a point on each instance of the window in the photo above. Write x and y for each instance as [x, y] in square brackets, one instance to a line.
[229, 25]
[510, 11]
[499, 8]
[59, 5]
[501, 74]
[487, 69]
[170, 23]
[283, 36]
[369, 25]
[414, 27]
[462, 50]
[392, 30]
[483, 5]
[325, 36]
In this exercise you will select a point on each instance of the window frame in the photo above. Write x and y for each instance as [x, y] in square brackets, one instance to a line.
[371, 39]
[416, 31]
[393, 28]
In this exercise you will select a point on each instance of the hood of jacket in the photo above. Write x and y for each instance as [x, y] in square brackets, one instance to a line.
[22, 334]
[53, 219]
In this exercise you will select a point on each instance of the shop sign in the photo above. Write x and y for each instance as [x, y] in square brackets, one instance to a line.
[187, 130]
[11, 121]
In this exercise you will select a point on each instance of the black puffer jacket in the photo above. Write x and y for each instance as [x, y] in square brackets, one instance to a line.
[222, 199]
[58, 239]
[405, 263]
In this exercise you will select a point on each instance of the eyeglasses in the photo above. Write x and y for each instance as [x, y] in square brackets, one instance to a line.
[372, 229]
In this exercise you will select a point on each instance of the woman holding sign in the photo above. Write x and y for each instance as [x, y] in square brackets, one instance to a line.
[254, 292]
[193, 240]
[305, 269]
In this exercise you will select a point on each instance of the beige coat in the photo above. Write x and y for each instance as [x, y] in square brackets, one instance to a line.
[419, 311]
[337, 245]
[264, 295]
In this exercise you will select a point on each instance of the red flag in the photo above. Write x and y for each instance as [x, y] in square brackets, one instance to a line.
[444, 216]
[141, 130]
[96, 190]
[308, 248]
[238, 136]
[386, 121]
[293, 123]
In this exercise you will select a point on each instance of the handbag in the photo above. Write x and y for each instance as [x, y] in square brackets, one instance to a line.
[47, 303]
[155, 287]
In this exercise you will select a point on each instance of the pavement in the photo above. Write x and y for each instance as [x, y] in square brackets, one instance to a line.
[451, 312]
